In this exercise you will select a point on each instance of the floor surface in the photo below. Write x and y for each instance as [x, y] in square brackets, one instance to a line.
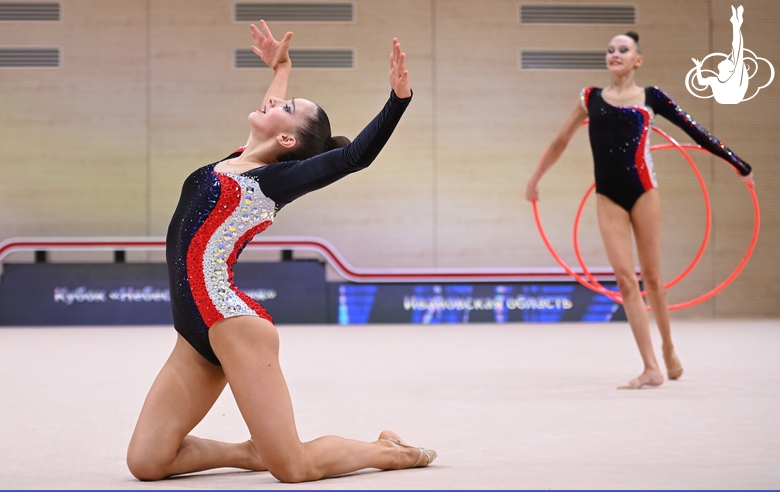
[517, 406]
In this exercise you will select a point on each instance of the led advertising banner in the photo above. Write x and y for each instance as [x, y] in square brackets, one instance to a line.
[293, 292]
[538, 302]
[138, 294]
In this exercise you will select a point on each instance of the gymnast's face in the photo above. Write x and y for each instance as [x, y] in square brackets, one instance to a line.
[622, 55]
[279, 117]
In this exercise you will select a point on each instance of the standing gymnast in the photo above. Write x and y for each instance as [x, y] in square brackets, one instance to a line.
[226, 337]
[620, 118]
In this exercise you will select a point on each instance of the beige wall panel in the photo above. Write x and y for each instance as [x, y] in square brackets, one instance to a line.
[382, 216]
[72, 138]
[478, 104]
[530, 108]
[732, 211]
[751, 129]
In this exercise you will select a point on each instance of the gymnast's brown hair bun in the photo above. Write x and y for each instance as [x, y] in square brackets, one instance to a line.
[337, 142]
[633, 35]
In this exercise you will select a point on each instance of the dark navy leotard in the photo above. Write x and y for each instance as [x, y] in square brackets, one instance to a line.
[219, 213]
[620, 142]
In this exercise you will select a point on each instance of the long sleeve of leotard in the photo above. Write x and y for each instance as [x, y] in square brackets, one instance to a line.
[285, 181]
[666, 107]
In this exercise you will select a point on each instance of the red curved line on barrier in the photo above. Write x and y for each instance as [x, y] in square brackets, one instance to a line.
[328, 251]
[16, 245]
[351, 273]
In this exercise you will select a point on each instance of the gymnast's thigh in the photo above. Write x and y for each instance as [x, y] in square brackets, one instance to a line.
[248, 348]
[615, 228]
[181, 395]
[646, 222]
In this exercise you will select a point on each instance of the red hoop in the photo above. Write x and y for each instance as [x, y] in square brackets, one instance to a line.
[708, 223]
[595, 286]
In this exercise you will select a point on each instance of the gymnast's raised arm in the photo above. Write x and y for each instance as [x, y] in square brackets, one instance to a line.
[275, 54]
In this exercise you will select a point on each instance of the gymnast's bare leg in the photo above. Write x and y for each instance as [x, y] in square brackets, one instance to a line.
[184, 391]
[615, 226]
[646, 222]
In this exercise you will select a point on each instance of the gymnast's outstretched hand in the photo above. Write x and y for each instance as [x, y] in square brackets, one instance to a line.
[272, 52]
[399, 76]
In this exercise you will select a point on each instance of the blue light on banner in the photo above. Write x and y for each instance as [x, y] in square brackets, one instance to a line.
[355, 303]
[423, 303]
[553, 299]
[437, 304]
[500, 311]
[601, 308]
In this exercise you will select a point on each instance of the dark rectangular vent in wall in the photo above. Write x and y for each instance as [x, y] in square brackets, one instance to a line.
[18, 11]
[316, 12]
[29, 57]
[577, 14]
[245, 58]
[562, 60]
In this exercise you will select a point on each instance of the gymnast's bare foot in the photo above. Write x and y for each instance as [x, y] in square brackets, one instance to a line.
[648, 379]
[410, 456]
[674, 368]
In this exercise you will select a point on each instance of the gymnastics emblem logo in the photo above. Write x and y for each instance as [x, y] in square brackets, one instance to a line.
[735, 70]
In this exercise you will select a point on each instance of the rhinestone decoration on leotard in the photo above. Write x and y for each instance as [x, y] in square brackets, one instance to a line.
[253, 212]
